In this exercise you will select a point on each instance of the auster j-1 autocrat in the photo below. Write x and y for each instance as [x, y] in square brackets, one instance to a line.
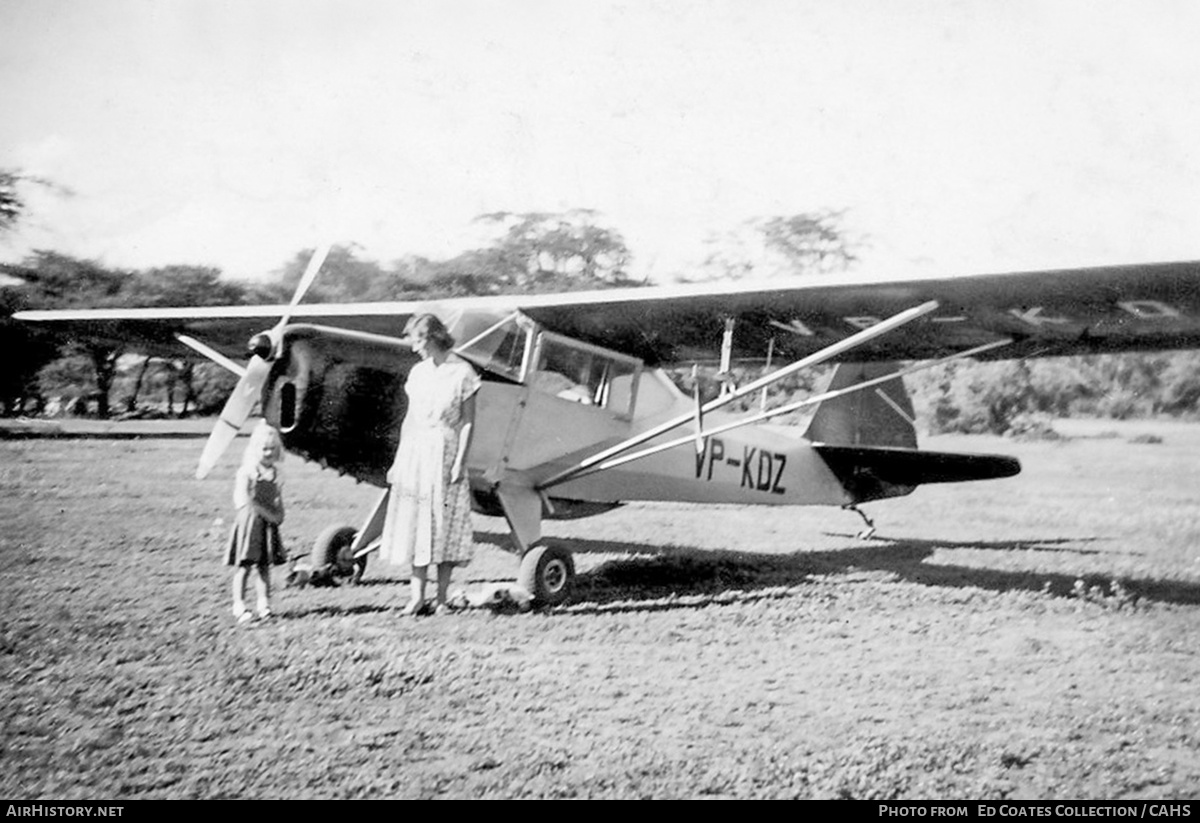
[576, 415]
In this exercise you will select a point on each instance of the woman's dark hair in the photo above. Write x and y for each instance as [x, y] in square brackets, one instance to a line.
[432, 328]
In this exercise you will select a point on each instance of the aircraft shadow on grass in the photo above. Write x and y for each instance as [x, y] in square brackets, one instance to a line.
[658, 577]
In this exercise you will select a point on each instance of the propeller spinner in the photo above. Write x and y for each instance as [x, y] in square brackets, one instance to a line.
[264, 348]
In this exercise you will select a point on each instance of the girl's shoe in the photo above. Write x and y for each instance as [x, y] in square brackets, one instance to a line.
[244, 618]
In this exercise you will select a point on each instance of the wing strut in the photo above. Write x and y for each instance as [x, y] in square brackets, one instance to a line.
[612, 463]
[827, 353]
[726, 372]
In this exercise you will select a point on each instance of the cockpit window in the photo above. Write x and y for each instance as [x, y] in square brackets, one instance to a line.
[502, 348]
[585, 374]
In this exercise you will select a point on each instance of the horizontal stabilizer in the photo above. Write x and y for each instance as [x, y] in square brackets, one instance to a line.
[872, 473]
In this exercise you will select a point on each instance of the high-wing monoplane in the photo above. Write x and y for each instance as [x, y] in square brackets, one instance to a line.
[577, 415]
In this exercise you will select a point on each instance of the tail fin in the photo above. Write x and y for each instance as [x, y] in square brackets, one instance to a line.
[878, 416]
[868, 440]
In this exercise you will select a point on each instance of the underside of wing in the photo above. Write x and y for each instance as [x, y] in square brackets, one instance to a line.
[1047, 313]
[1076, 311]
[225, 328]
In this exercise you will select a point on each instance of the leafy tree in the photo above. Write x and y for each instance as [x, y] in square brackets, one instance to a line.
[156, 380]
[53, 280]
[783, 246]
[138, 377]
[69, 380]
[11, 203]
[56, 281]
[475, 272]
[811, 242]
[534, 251]
[211, 385]
[996, 397]
[344, 278]
[26, 350]
[551, 251]
[177, 285]
[182, 286]
[1180, 393]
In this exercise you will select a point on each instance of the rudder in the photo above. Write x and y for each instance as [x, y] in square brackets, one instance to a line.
[881, 415]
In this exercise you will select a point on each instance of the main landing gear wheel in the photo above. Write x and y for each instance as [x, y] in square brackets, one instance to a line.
[331, 551]
[548, 573]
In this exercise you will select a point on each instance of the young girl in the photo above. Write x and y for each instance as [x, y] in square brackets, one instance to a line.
[254, 544]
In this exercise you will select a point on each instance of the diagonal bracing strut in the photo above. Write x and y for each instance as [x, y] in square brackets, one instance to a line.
[613, 462]
[827, 353]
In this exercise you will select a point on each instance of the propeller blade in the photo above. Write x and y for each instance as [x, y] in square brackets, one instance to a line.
[233, 416]
[310, 274]
[249, 388]
[212, 354]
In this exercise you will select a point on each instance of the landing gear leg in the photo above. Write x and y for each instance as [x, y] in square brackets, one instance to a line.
[547, 572]
[869, 531]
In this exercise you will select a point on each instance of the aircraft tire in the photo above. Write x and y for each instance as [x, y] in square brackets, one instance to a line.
[331, 551]
[548, 573]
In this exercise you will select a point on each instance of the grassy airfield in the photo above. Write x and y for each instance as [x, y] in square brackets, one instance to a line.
[1035, 637]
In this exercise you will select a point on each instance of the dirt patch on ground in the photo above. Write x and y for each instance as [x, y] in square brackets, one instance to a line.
[1028, 638]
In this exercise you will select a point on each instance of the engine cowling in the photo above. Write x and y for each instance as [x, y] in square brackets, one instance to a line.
[337, 398]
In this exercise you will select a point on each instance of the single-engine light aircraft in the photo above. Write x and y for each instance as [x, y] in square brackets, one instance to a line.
[576, 415]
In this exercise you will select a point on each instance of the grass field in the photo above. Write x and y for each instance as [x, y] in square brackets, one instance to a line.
[1034, 637]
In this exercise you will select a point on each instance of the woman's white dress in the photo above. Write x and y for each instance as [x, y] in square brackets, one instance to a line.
[428, 517]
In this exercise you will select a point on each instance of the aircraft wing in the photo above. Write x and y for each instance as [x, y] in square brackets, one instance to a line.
[225, 328]
[1077, 311]
[1068, 311]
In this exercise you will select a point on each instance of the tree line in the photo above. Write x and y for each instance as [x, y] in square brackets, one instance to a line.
[530, 252]
[43, 373]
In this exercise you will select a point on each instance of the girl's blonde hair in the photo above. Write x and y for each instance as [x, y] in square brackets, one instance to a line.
[263, 435]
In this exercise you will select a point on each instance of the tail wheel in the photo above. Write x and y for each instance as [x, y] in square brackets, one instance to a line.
[548, 573]
[332, 551]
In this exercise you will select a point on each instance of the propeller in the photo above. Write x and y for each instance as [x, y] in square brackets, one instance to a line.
[264, 349]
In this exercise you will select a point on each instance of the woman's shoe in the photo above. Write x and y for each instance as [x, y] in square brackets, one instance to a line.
[449, 607]
[415, 608]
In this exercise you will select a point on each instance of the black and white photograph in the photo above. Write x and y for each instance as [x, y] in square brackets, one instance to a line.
[601, 399]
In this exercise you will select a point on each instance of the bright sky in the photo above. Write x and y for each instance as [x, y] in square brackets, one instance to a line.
[973, 135]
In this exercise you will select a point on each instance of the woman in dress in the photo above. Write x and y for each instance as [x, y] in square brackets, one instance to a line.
[429, 511]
